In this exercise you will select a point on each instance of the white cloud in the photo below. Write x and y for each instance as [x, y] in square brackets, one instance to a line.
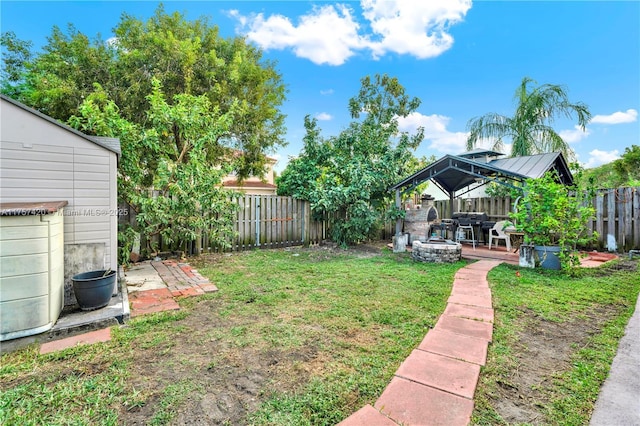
[417, 28]
[598, 158]
[330, 34]
[574, 135]
[618, 117]
[327, 35]
[326, 92]
[435, 131]
[323, 116]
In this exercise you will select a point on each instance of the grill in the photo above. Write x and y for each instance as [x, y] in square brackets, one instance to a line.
[469, 218]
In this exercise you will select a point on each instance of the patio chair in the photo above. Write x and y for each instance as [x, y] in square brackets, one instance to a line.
[497, 233]
[464, 231]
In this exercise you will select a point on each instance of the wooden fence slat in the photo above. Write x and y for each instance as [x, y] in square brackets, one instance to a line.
[625, 212]
[635, 201]
[600, 216]
[619, 215]
[611, 213]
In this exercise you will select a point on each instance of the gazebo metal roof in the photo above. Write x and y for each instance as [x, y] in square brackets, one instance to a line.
[452, 173]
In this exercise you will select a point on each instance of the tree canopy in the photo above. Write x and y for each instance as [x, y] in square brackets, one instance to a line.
[346, 177]
[186, 57]
[625, 171]
[530, 128]
[188, 106]
[164, 173]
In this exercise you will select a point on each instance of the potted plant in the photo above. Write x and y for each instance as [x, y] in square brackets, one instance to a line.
[553, 218]
[93, 289]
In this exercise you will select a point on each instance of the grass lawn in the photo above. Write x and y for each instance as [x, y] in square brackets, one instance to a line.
[554, 340]
[307, 336]
[292, 337]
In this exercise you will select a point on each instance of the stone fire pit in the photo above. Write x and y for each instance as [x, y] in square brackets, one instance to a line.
[436, 250]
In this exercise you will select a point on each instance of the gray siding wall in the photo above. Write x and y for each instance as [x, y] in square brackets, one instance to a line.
[40, 161]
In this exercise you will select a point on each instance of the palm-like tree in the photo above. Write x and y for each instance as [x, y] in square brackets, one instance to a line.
[530, 128]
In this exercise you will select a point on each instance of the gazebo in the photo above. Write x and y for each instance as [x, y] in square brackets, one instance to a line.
[455, 174]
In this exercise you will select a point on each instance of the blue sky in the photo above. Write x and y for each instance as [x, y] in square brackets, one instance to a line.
[462, 59]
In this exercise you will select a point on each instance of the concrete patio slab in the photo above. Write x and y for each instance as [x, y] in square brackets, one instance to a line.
[456, 346]
[470, 312]
[411, 403]
[367, 416]
[468, 327]
[74, 321]
[441, 372]
[142, 276]
[618, 403]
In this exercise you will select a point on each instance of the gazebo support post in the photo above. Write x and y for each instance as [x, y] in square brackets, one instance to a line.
[399, 244]
[451, 197]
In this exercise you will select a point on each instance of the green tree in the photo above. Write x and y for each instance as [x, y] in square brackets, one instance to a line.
[15, 55]
[628, 166]
[346, 177]
[555, 214]
[530, 129]
[184, 56]
[166, 174]
[299, 178]
[625, 171]
[56, 81]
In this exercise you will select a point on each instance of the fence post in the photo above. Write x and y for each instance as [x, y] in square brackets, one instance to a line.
[257, 207]
[302, 223]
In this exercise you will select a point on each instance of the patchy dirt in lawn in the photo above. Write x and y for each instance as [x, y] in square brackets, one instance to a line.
[225, 382]
[222, 383]
[329, 249]
[544, 350]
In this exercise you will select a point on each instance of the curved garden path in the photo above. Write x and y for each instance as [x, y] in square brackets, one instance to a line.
[436, 383]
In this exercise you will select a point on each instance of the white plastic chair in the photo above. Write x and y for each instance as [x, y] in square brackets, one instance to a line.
[497, 233]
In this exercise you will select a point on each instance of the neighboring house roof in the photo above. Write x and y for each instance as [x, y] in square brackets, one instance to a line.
[452, 173]
[111, 144]
[249, 184]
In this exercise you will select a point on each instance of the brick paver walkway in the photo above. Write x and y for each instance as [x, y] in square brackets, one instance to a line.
[103, 335]
[436, 383]
[181, 280]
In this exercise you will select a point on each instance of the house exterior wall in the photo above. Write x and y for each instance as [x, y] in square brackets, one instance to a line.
[269, 176]
[254, 185]
[40, 161]
[248, 188]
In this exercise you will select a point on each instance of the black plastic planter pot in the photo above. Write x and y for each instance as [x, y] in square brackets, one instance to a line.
[94, 289]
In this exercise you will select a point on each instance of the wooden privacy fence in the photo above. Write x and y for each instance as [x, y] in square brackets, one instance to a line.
[617, 217]
[268, 221]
